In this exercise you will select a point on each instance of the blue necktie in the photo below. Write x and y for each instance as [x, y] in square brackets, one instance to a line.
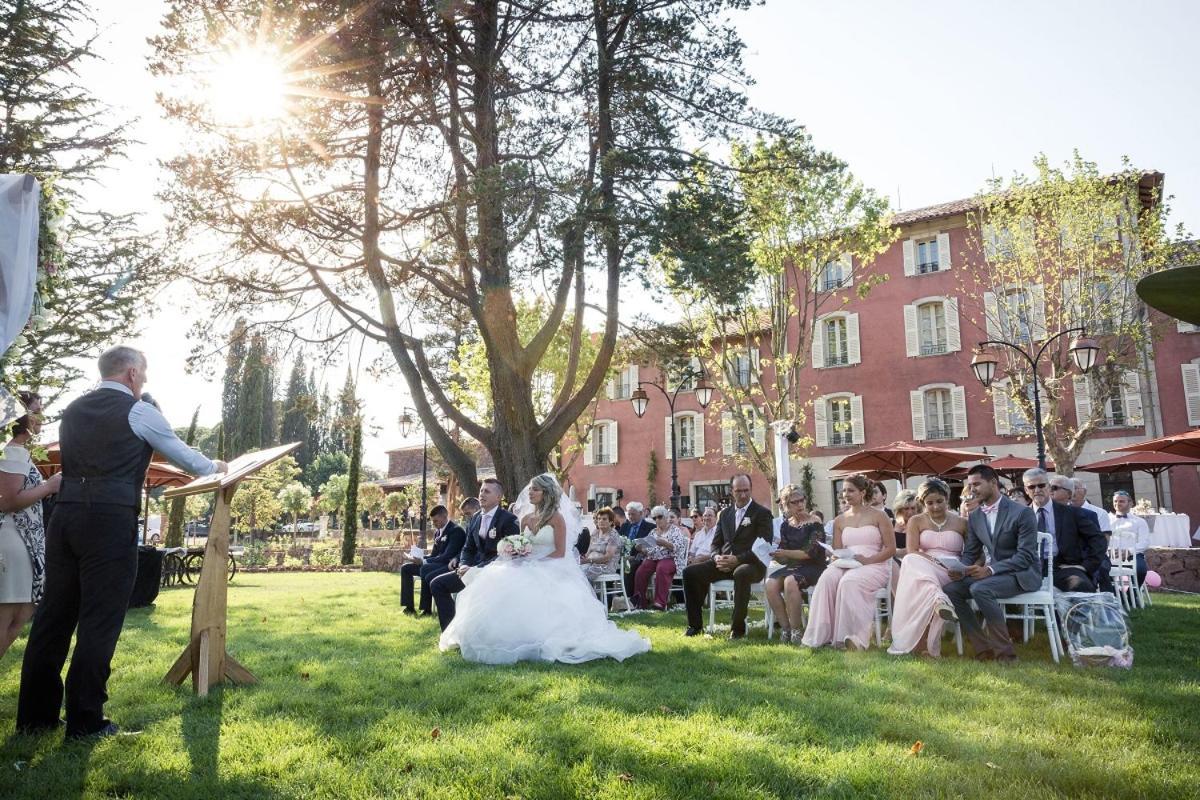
[1042, 526]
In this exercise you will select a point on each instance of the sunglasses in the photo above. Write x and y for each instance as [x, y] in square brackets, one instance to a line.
[1035, 486]
[1059, 489]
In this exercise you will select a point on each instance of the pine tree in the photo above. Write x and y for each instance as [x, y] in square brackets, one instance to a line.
[235, 358]
[248, 425]
[297, 420]
[347, 415]
[350, 523]
[270, 420]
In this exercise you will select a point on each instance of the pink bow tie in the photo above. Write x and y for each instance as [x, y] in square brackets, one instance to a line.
[990, 509]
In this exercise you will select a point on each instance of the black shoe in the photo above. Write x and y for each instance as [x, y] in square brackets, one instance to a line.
[692, 632]
[110, 729]
[38, 730]
[985, 655]
[425, 614]
[409, 612]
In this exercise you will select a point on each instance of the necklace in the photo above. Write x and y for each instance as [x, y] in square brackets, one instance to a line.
[936, 524]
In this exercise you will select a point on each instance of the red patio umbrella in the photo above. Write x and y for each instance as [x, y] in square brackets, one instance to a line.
[1152, 462]
[1180, 444]
[901, 459]
[1012, 467]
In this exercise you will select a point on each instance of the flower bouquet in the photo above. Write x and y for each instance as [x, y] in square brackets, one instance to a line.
[1143, 507]
[518, 545]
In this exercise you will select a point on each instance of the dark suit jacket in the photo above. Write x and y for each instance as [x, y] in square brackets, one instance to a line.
[1079, 538]
[447, 545]
[1013, 543]
[480, 547]
[632, 531]
[757, 523]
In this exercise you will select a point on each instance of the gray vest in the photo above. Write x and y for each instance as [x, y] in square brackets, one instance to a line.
[102, 460]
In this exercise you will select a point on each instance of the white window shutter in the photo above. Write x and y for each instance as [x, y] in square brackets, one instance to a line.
[991, 310]
[953, 330]
[821, 423]
[856, 419]
[910, 257]
[987, 235]
[1072, 302]
[853, 348]
[1037, 312]
[667, 435]
[698, 423]
[726, 433]
[848, 268]
[1186, 327]
[589, 447]
[916, 404]
[1191, 392]
[633, 377]
[1131, 389]
[611, 429]
[755, 363]
[912, 339]
[944, 259]
[958, 404]
[1083, 400]
[818, 344]
[1000, 403]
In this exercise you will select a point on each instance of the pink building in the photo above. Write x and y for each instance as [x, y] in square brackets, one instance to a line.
[896, 366]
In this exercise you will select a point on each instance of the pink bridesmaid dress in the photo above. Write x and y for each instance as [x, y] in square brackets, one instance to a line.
[919, 593]
[843, 601]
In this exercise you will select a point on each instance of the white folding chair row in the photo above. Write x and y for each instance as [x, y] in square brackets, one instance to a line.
[883, 605]
[604, 586]
[758, 597]
[1124, 574]
[1039, 601]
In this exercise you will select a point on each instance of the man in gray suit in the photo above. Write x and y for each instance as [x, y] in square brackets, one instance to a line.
[1004, 533]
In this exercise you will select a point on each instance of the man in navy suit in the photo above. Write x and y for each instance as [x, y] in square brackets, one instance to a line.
[487, 528]
[1079, 546]
[448, 540]
[635, 528]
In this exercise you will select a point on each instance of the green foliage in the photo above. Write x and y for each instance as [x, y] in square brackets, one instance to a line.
[652, 480]
[1060, 249]
[323, 468]
[95, 270]
[350, 691]
[325, 553]
[807, 476]
[174, 537]
[300, 413]
[333, 493]
[256, 505]
[395, 503]
[370, 499]
[296, 499]
[350, 522]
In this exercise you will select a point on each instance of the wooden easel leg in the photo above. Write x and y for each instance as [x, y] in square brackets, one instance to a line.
[200, 676]
[236, 673]
[181, 668]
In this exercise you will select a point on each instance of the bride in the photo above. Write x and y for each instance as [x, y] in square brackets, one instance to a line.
[537, 607]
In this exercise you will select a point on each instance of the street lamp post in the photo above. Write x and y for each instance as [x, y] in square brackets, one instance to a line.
[1083, 351]
[641, 401]
[407, 424]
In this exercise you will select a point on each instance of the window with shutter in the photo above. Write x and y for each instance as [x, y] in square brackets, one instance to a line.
[1081, 388]
[857, 423]
[1191, 391]
[613, 450]
[818, 344]
[1131, 385]
[853, 346]
[821, 421]
[726, 433]
[910, 257]
[1000, 404]
[912, 339]
[916, 402]
[939, 417]
[958, 404]
[931, 327]
[837, 341]
[927, 256]
[943, 246]
[953, 332]
[839, 421]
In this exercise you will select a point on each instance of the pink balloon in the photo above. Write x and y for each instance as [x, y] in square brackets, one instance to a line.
[1153, 579]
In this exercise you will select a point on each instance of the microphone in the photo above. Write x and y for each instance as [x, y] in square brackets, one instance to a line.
[146, 398]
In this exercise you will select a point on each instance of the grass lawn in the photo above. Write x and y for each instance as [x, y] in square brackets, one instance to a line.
[356, 701]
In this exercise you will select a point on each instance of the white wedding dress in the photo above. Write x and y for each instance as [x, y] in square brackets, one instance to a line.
[535, 609]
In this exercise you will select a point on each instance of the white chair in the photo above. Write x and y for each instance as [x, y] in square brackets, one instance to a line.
[883, 606]
[758, 597]
[604, 586]
[1040, 600]
[1124, 576]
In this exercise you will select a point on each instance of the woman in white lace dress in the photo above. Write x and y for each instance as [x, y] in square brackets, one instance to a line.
[22, 534]
[537, 607]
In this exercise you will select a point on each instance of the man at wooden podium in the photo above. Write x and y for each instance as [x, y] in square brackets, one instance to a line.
[107, 438]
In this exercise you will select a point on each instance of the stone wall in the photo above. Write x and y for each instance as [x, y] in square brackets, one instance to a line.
[1178, 566]
[382, 559]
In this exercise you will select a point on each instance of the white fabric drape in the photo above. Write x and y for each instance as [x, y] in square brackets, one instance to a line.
[19, 195]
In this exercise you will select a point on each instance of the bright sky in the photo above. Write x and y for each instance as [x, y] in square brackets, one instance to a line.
[925, 99]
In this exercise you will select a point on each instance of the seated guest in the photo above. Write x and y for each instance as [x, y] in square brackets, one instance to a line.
[635, 528]
[603, 556]
[1102, 577]
[467, 510]
[916, 622]
[904, 508]
[842, 609]
[737, 528]
[801, 559]
[1079, 546]
[1002, 550]
[664, 552]
[622, 522]
[701, 547]
[878, 499]
[583, 542]
[1129, 531]
[448, 539]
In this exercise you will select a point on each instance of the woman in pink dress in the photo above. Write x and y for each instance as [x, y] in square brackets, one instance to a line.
[842, 609]
[916, 625]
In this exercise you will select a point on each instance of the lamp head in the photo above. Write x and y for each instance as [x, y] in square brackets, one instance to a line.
[984, 366]
[640, 400]
[1084, 351]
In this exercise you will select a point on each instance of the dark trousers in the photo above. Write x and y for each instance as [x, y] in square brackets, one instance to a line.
[91, 563]
[427, 572]
[1140, 563]
[992, 637]
[443, 588]
[699, 577]
[633, 564]
[1072, 579]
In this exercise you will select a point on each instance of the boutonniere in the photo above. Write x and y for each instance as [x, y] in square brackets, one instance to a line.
[745, 522]
[491, 534]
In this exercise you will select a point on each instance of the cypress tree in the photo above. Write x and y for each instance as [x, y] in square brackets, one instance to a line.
[248, 430]
[235, 358]
[350, 523]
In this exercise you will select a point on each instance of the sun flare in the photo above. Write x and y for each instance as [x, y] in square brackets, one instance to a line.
[248, 88]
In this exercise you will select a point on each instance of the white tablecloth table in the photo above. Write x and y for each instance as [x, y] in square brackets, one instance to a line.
[1169, 530]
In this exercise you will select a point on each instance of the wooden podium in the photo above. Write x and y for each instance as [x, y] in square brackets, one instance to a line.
[205, 657]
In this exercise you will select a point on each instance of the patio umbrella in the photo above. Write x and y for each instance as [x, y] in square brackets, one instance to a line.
[1012, 467]
[1154, 463]
[902, 459]
[1180, 444]
[1175, 292]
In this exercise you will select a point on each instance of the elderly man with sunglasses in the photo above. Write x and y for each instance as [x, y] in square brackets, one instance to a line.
[1079, 546]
